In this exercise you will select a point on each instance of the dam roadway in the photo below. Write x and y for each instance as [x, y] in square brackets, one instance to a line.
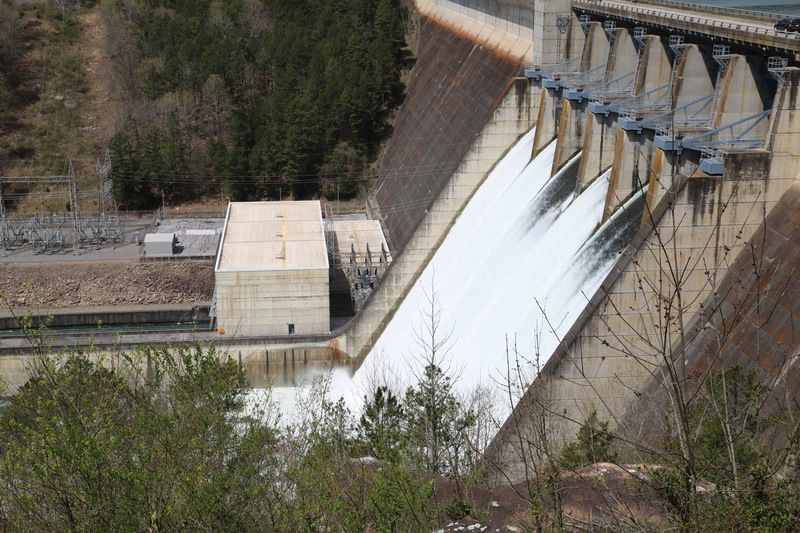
[744, 28]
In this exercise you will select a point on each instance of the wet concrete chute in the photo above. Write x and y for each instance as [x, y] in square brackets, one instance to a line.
[518, 296]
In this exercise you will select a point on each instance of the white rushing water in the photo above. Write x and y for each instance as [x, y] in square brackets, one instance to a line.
[517, 266]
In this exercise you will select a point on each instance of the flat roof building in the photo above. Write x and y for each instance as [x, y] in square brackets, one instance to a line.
[272, 271]
[159, 244]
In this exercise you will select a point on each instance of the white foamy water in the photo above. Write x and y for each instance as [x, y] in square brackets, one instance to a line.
[511, 273]
[290, 406]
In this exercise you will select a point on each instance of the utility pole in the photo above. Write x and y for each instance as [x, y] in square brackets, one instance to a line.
[72, 183]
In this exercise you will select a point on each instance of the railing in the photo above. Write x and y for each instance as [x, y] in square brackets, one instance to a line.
[692, 115]
[568, 67]
[691, 6]
[622, 86]
[593, 4]
[735, 140]
[652, 100]
[590, 77]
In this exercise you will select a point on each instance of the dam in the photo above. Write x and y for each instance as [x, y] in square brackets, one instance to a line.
[600, 191]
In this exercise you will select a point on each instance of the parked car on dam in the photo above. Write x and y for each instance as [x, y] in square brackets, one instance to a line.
[781, 24]
[788, 24]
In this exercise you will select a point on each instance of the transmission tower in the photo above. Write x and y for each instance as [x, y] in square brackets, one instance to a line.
[73, 206]
[105, 188]
[109, 226]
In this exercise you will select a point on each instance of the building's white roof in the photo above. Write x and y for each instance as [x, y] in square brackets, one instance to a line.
[159, 237]
[357, 235]
[272, 236]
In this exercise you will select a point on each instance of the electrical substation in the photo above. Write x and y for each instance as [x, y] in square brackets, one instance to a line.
[49, 232]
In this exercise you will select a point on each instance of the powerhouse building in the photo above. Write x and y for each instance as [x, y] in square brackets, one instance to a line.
[272, 271]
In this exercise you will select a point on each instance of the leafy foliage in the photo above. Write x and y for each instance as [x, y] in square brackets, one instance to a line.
[729, 421]
[382, 425]
[84, 447]
[164, 440]
[744, 450]
[436, 422]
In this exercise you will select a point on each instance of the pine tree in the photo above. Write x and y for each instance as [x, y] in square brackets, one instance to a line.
[382, 424]
[594, 444]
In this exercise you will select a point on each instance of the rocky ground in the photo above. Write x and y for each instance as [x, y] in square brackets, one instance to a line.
[599, 497]
[106, 283]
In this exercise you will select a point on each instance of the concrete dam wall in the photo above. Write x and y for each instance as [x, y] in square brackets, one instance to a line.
[454, 89]
[466, 106]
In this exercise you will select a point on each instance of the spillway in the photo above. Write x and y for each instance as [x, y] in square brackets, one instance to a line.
[512, 275]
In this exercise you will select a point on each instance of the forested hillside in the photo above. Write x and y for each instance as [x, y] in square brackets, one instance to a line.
[251, 98]
[53, 105]
[8, 29]
[9, 35]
